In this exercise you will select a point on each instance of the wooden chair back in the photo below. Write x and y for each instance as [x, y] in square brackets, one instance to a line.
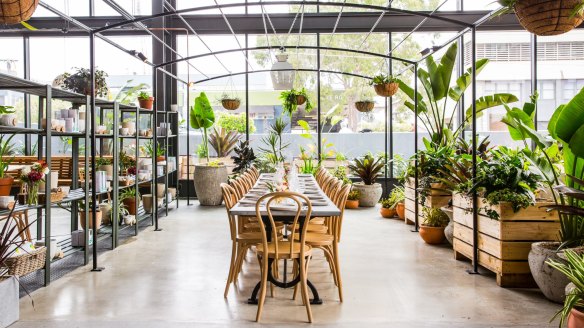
[230, 199]
[341, 200]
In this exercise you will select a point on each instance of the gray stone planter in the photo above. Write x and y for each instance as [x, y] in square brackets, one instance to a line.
[551, 281]
[449, 230]
[370, 194]
[9, 307]
[208, 181]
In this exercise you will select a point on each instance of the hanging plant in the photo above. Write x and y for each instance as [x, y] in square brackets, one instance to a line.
[14, 12]
[544, 17]
[80, 82]
[294, 98]
[365, 106]
[385, 85]
[230, 102]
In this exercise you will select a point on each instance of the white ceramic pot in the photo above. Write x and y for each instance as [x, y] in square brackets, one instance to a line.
[131, 126]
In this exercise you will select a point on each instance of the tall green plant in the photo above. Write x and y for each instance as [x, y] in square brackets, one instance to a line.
[203, 118]
[434, 110]
[6, 150]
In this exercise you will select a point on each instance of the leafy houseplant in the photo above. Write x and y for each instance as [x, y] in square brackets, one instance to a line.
[128, 197]
[572, 267]
[145, 100]
[230, 102]
[340, 172]
[244, 156]
[5, 160]
[223, 141]
[385, 85]
[353, 199]
[80, 82]
[126, 161]
[208, 178]
[368, 169]
[432, 229]
[148, 150]
[274, 144]
[293, 98]
[388, 206]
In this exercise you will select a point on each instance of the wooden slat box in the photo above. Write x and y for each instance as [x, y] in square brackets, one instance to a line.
[436, 199]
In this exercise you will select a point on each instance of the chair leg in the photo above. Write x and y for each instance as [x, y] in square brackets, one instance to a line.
[239, 261]
[263, 287]
[338, 270]
[231, 268]
[304, 290]
[330, 258]
[294, 273]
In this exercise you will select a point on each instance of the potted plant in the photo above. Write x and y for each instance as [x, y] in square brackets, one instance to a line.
[244, 157]
[80, 82]
[365, 105]
[105, 164]
[208, 176]
[572, 266]
[145, 100]
[82, 216]
[545, 18]
[5, 160]
[293, 98]
[230, 102]
[368, 169]
[385, 85]
[128, 197]
[387, 209]
[353, 199]
[432, 229]
[126, 162]
[223, 141]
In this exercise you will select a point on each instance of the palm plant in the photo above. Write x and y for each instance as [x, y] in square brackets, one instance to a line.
[435, 111]
[244, 157]
[573, 268]
[367, 168]
[273, 142]
[223, 141]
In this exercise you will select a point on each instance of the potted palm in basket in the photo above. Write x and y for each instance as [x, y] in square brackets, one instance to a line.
[368, 169]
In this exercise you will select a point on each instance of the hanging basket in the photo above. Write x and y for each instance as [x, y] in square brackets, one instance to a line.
[545, 17]
[387, 89]
[364, 106]
[16, 11]
[300, 100]
[230, 104]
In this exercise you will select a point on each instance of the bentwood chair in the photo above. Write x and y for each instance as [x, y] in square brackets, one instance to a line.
[294, 248]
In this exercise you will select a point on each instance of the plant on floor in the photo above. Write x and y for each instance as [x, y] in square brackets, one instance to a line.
[434, 110]
[340, 172]
[80, 82]
[435, 217]
[244, 157]
[223, 141]
[572, 266]
[293, 98]
[430, 161]
[203, 118]
[367, 168]
[354, 195]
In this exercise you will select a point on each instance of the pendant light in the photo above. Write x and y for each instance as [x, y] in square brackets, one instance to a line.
[282, 73]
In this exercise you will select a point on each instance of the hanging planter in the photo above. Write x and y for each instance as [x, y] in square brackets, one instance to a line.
[385, 86]
[16, 11]
[365, 106]
[294, 98]
[229, 102]
[545, 17]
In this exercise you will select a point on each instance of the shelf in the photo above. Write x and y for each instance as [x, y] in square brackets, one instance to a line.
[130, 109]
[74, 195]
[104, 135]
[67, 249]
[65, 134]
[20, 208]
[170, 136]
[18, 130]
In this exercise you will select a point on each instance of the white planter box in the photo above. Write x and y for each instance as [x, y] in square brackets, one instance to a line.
[9, 307]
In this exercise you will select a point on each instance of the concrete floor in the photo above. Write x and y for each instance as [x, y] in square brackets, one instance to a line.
[175, 278]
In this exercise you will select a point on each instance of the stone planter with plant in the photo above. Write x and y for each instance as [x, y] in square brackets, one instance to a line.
[208, 176]
[145, 100]
[5, 160]
[368, 169]
[432, 229]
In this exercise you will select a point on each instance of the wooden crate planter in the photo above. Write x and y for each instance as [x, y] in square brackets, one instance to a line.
[503, 244]
[436, 199]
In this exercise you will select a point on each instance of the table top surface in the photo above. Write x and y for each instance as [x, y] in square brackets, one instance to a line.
[321, 204]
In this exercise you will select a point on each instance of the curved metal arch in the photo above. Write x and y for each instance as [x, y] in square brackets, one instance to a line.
[175, 61]
[282, 70]
[273, 3]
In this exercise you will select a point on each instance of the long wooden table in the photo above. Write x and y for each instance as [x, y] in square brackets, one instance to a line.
[322, 208]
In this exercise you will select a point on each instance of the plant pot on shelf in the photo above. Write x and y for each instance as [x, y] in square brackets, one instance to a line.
[146, 103]
[147, 201]
[160, 158]
[208, 181]
[432, 235]
[550, 281]
[387, 89]
[364, 106]
[106, 212]
[230, 104]
[387, 212]
[98, 218]
[131, 205]
[6, 185]
[400, 209]
[9, 311]
[109, 170]
[370, 194]
[545, 18]
[352, 204]
[575, 319]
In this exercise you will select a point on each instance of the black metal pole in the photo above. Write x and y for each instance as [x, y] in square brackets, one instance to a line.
[93, 153]
[318, 110]
[246, 89]
[475, 214]
[416, 182]
[534, 80]
[155, 143]
[27, 109]
[189, 143]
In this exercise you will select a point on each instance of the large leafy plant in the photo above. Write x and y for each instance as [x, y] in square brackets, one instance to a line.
[80, 82]
[203, 118]
[368, 168]
[434, 110]
[290, 100]
[223, 141]
[244, 157]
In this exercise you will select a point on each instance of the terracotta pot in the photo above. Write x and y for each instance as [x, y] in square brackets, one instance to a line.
[130, 204]
[82, 219]
[387, 212]
[146, 104]
[576, 319]
[6, 185]
[432, 235]
[352, 204]
[400, 208]
[160, 159]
